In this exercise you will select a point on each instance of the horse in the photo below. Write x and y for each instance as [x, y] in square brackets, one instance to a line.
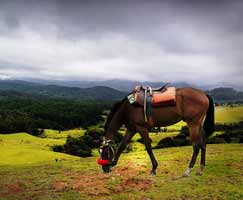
[193, 106]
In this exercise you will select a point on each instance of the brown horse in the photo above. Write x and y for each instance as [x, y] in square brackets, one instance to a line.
[192, 106]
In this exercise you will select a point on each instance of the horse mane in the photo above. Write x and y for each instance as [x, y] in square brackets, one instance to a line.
[113, 111]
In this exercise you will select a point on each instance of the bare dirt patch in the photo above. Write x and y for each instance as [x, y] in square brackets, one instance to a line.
[15, 188]
[12, 189]
[119, 180]
[134, 184]
[60, 185]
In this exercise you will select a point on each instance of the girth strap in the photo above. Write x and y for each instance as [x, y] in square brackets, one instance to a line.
[145, 106]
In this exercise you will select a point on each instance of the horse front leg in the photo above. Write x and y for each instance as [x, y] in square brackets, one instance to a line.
[151, 155]
[147, 141]
[125, 140]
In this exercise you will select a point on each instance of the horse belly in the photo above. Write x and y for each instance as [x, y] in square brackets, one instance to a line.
[165, 116]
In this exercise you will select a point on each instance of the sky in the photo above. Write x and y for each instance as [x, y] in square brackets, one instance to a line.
[175, 40]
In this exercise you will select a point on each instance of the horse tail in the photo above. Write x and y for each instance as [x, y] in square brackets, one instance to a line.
[209, 123]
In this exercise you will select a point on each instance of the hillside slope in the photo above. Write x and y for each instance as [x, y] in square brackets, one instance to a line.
[30, 170]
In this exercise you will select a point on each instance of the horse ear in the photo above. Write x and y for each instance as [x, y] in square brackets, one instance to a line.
[102, 138]
[103, 141]
[109, 142]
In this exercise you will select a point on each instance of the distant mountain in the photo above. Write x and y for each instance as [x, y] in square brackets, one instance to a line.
[118, 84]
[103, 92]
[56, 91]
[226, 94]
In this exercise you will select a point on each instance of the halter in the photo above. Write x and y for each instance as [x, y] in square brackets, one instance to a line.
[111, 146]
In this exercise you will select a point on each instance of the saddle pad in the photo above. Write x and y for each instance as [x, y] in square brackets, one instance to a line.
[165, 104]
[168, 95]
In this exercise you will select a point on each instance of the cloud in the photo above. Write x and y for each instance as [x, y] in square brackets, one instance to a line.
[160, 41]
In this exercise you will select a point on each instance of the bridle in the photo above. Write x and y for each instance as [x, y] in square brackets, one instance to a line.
[111, 152]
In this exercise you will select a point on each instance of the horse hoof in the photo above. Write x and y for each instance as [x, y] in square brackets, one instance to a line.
[185, 175]
[152, 173]
[200, 170]
[187, 172]
[199, 173]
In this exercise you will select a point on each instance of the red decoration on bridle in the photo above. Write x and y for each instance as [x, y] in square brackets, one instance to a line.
[102, 162]
[107, 144]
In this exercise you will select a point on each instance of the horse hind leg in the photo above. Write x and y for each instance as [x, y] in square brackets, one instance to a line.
[203, 152]
[196, 149]
[194, 135]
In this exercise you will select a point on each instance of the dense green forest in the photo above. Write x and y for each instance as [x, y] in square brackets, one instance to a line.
[30, 107]
[22, 112]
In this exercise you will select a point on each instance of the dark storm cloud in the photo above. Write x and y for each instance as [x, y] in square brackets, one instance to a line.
[185, 40]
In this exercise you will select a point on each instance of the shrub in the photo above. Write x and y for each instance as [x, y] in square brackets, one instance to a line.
[179, 140]
[82, 146]
[184, 131]
[140, 140]
[77, 146]
[166, 142]
[93, 136]
[58, 148]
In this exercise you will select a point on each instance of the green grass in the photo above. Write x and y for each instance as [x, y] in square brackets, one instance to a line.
[223, 114]
[24, 140]
[29, 169]
[228, 114]
[22, 148]
[63, 134]
[81, 178]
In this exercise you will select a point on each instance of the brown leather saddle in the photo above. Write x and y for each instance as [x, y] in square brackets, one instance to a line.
[149, 97]
[159, 96]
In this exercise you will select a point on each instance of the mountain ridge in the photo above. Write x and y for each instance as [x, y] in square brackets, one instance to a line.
[57, 91]
[102, 92]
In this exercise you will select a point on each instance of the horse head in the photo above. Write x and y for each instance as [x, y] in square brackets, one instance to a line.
[107, 152]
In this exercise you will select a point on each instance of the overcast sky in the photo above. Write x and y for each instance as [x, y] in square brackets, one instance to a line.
[171, 41]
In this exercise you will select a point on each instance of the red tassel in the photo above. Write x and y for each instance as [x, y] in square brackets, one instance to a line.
[102, 162]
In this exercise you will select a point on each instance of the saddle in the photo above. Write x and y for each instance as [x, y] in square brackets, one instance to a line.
[148, 97]
[157, 96]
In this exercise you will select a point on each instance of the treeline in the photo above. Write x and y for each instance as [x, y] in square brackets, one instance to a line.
[19, 112]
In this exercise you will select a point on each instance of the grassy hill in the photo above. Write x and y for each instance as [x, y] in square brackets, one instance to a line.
[29, 169]
[226, 114]
[48, 175]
